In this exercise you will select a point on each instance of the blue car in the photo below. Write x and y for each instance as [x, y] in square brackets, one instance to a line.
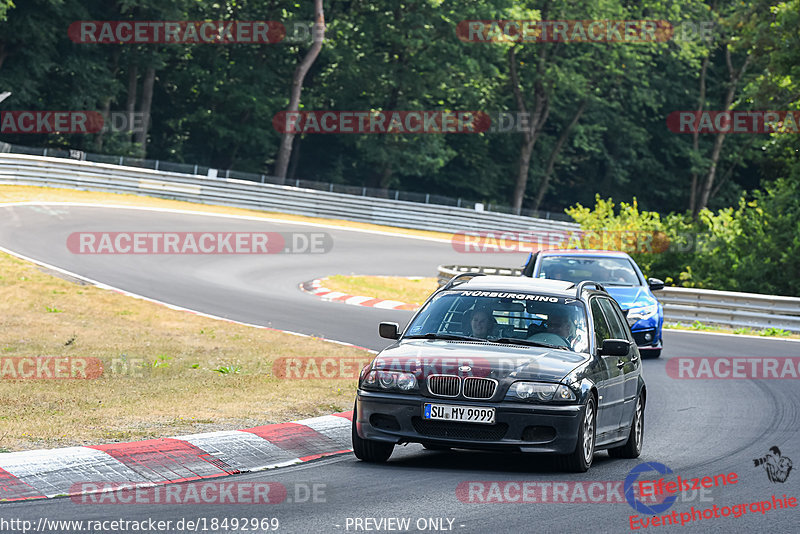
[620, 276]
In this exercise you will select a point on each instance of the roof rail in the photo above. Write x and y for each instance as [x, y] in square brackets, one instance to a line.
[450, 283]
[585, 283]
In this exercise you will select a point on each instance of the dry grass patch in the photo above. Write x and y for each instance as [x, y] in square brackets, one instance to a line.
[408, 290]
[165, 372]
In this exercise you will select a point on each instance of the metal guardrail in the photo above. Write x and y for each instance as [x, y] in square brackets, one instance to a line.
[686, 305]
[204, 170]
[36, 170]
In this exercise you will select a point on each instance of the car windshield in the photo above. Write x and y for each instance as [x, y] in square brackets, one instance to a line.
[504, 317]
[606, 271]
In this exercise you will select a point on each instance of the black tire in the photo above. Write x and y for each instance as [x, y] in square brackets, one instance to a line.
[580, 460]
[632, 447]
[368, 450]
[650, 354]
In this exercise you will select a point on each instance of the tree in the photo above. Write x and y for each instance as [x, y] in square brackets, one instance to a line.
[285, 151]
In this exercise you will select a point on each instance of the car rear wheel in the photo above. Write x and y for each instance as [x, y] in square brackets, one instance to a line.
[369, 450]
[580, 460]
[633, 447]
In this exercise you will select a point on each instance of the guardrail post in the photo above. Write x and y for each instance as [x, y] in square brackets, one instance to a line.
[156, 165]
[396, 194]
[120, 160]
[363, 191]
[330, 190]
[459, 202]
[297, 183]
[195, 168]
[262, 178]
[427, 198]
[45, 152]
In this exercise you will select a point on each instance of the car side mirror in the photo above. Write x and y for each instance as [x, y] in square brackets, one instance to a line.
[389, 330]
[655, 284]
[615, 347]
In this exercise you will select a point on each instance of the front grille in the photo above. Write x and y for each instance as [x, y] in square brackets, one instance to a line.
[453, 430]
[638, 336]
[479, 388]
[444, 385]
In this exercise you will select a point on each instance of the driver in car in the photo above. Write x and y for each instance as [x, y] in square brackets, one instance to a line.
[561, 324]
[482, 323]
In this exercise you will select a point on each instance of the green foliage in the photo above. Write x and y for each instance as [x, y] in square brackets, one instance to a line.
[753, 248]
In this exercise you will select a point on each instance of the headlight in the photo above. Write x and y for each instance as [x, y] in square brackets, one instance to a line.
[390, 380]
[541, 391]
[644, 312]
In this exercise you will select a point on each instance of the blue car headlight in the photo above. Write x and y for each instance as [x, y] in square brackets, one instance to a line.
[642, 312]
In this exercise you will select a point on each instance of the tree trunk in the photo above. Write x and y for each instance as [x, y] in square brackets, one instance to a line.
[696, 135]
[144, 107]
[554, 154]
[318, 32]
[540, 112]
[130, 103]
[734, 78]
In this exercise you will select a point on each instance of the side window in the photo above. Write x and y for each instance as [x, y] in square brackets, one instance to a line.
[601, 328]
[618, 330]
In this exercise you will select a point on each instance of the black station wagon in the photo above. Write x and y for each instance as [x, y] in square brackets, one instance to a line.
[508, 364]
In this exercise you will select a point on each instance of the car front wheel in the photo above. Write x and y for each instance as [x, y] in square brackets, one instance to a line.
[580, 460]
[368, 450]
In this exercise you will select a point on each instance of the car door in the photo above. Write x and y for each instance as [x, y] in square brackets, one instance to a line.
[630, 364]
[611, 392]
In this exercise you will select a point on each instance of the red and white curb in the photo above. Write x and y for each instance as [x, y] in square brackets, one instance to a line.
[57, 472]
[316, 288]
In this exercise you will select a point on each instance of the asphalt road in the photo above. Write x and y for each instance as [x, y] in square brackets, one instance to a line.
[696, 427]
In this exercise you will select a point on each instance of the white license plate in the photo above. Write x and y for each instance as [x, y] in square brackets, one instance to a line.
[466, 414]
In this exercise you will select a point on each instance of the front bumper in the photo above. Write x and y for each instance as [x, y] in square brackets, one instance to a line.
[397, 418]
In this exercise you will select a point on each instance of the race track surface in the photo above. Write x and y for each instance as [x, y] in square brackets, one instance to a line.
[696, 427]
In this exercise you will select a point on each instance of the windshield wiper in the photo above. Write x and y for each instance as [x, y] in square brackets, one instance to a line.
[528, 342]
[450, 337]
